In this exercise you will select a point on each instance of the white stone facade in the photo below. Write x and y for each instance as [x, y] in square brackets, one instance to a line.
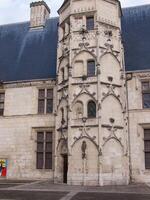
[106, 136]
[18, 128]
[107, 149]
[138, 121]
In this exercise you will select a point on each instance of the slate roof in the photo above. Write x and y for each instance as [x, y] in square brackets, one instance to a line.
[136, 37]
[26, 54]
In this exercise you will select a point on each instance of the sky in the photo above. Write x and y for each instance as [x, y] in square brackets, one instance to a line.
[12, 11]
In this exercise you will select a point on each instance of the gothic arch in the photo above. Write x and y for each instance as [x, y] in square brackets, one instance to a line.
[82, 138]
[113, 138]
[109, 53]
[78, 109]
[110, 67]
[113, 161]
[84, 155]
[113, 95]
[86, 51]
[81, 94]
[112, 108]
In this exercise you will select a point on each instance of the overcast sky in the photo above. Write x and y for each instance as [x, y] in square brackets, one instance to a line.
[18, 10]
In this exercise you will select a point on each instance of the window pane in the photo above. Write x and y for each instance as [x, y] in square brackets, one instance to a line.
[145, 85]
[48, 161]
[146, 100]
[48, 147]
[91, 109]
[40, 136]
[1, 112]
[147, 160]
[41, 93]
[90, 23]
[2, 96]
[1, 105]
[147, 134]
[41, 106]
[50, 93]
[147, 146]
[40, 147]
[49, 108]
[91, 68]
[40, 160]
[48, 136]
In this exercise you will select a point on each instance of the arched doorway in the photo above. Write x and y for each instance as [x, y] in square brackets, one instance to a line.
[62, 162]
[65, 168]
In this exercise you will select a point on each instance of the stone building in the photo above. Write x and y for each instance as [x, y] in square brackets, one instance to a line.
[75, 93]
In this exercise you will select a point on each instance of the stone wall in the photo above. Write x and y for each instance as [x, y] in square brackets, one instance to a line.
[139, 119]
[18, 128]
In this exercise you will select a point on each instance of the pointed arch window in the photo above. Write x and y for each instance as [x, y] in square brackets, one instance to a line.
[91, 109]
[90, 68]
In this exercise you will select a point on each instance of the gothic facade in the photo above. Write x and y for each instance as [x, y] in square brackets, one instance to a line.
[72, 108]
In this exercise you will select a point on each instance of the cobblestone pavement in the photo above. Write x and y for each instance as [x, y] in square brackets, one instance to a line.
[45, 190]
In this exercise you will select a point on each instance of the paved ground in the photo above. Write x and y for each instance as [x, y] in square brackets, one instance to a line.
[30, 195]
[106, 196]
[45, 190]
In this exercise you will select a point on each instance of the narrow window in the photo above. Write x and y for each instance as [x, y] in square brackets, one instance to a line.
[40, 150]
[48, 151]
[91, 68]
[2, 99]
[45, 101]
[90, 23]
[147, 148]
[41, 101]
[44, 150]
[91, 109]
[146, 94]
[49, 101]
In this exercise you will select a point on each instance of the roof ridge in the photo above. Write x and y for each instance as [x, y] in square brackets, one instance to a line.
[24, 22]
[14, 23]
[143, 5]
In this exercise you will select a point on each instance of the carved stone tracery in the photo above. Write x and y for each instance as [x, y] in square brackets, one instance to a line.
[112, 129]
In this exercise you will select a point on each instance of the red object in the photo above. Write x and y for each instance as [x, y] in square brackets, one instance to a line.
[4, 171]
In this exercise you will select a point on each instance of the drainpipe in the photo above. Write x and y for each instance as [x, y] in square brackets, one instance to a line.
[129, 139]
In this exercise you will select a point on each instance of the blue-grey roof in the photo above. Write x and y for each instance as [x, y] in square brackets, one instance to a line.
[26, 54]
[136, 37]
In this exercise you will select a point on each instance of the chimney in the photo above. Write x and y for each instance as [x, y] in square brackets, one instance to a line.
[39, 14]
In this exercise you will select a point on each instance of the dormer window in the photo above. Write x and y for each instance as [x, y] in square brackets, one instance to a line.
[90, 23]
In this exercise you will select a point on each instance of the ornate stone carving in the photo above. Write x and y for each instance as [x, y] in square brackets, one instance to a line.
[111, 91]
[83, 149]
[112, 129]
[84, 90]
[144, 75]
